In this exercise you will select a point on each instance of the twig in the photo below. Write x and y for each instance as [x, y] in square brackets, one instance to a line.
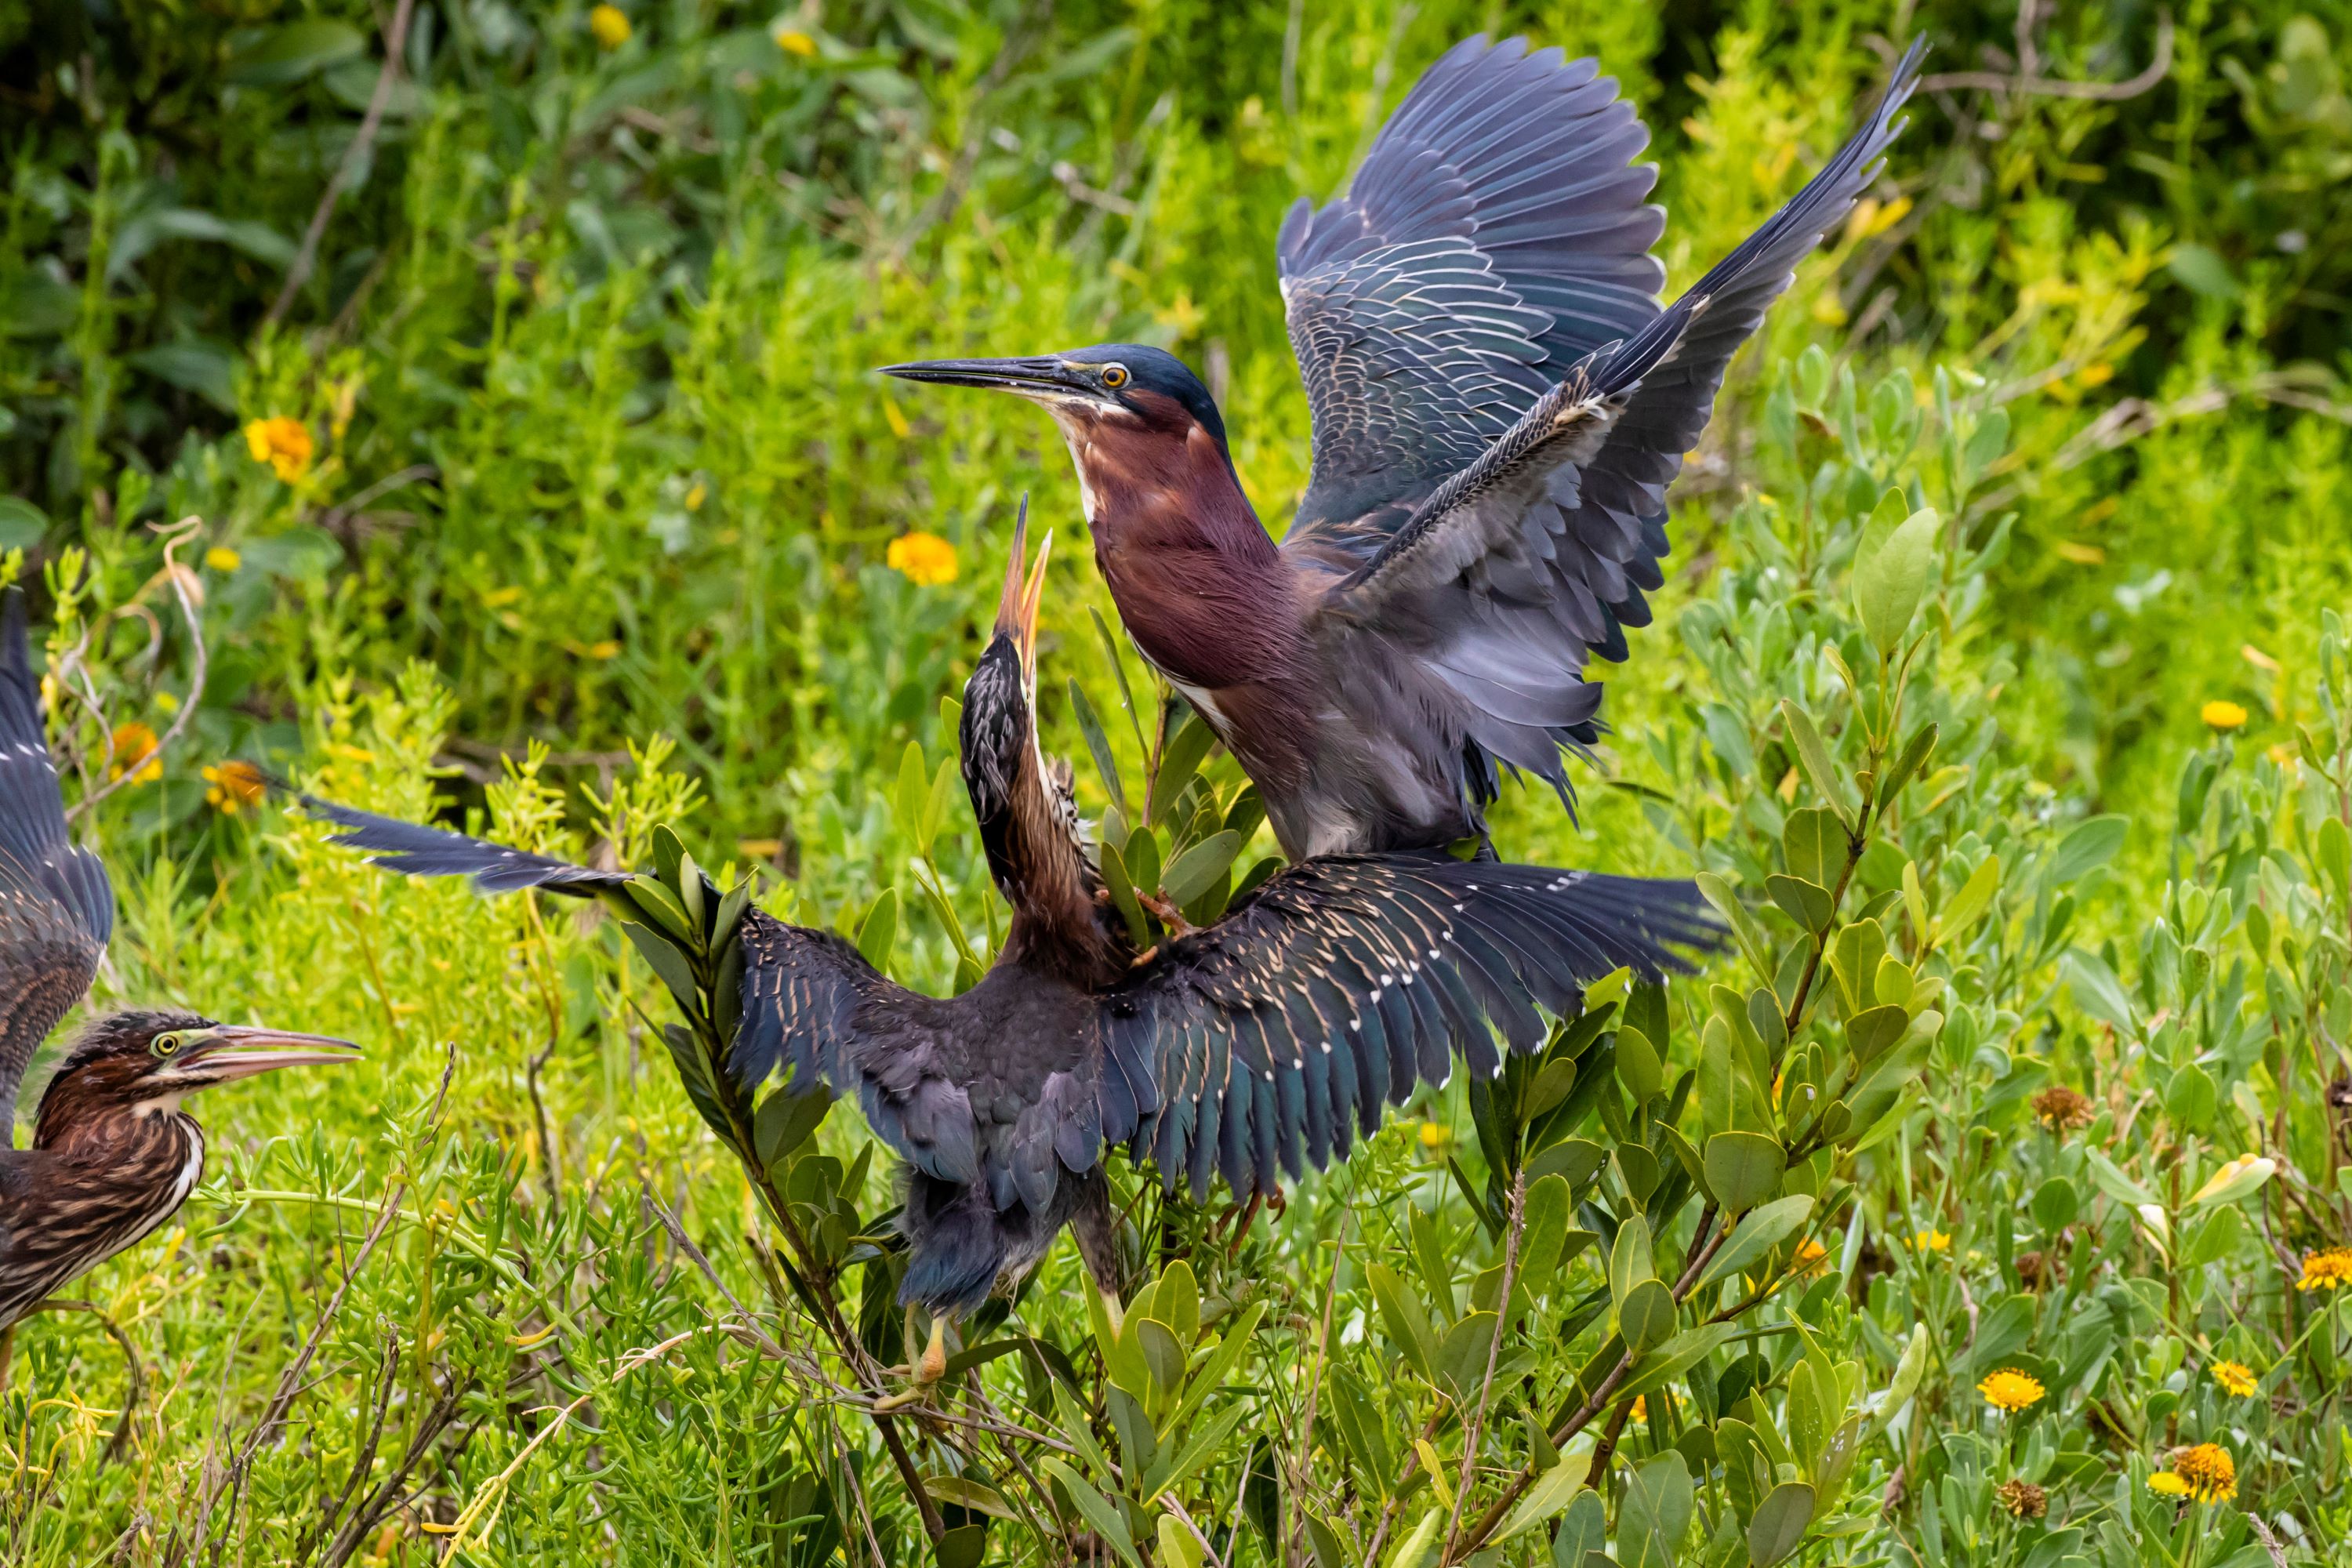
[494, 1487]
[685, 1244]
[1474, 1429]
[2026, 84]
[395, 38]
[289, 1385]
[174, 536]
[388, 1496]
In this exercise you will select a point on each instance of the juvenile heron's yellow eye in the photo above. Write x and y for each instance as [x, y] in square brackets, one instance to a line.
[1114, 375]
[166, 1045]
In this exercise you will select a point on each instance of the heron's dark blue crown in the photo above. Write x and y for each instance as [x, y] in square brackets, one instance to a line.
[1156, 370]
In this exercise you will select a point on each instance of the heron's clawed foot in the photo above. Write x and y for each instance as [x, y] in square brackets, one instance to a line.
[1167, 914]
[928, 1369]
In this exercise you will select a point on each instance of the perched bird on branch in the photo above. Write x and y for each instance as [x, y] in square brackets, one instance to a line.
[1251, 1048]
[1499, 401]
[113, 1154]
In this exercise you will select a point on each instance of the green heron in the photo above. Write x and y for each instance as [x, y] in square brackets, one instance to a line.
[1499, 401]
[1255, 1046]
[113, 1153]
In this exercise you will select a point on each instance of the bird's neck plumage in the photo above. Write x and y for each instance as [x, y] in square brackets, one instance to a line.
[1058, 923]
[103, 1178]
[1203, 590]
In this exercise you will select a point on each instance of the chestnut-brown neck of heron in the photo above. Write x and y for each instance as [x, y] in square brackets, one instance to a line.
[1203, 590]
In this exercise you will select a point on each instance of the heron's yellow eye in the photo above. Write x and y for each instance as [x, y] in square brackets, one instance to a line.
[1114, 375]
[166, 1045]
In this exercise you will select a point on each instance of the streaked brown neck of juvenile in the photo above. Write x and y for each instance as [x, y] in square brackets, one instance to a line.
[1059, 924]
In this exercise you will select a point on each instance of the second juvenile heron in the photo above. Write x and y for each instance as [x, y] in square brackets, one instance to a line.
[114, 1155]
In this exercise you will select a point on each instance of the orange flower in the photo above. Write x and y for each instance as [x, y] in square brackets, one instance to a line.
[922, 558]
[136, 752]
[284, 444]
[234, 785]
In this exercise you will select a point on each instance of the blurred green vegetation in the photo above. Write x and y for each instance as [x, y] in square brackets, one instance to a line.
[587, 449]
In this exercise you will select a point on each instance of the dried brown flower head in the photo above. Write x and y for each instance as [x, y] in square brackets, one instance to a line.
[2062, 1110]
[2033, 1270]
[2023, 1499]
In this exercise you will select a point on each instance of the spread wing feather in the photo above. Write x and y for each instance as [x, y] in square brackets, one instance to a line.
[810, 1000]
[1283, 1032]
[56, 907]
[1497, 233]
[1509, 569]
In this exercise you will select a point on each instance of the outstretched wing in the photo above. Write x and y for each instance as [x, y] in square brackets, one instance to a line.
[414, 850]
[57, 907]
[1284, 1029]
[809, 1000]
[1534, 555]
[1497, 233]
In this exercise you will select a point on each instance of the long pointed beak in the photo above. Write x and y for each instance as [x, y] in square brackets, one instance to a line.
[1017, 603]
[1039, 377]
[235, 1052]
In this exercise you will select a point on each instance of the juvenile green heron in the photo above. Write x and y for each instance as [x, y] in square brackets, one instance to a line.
[1499, 401]
[113, 1153]
[1259, 1045]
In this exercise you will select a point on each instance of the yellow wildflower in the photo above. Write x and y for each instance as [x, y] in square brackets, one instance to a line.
[1811, 1256]
[283, 443]
[792, 41]
[2328, 1270]
[136, 752]
[221, 558]
[2235, 1377]
[1932, 1240]
[923, 558]
[2206, 1471]
[2222, 716]
[2011, 1390]
[2164, 1483]
[611, 26]
[1435, 1135]
[234, 785]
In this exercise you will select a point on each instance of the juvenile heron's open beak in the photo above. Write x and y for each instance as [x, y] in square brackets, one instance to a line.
[1043, 377]
[1016, 606]
[234, 1051]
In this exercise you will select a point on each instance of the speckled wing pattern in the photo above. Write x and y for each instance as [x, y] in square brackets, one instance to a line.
[56, 907]
[1283, 1032]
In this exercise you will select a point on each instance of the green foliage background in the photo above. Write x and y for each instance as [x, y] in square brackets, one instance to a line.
[586, 360]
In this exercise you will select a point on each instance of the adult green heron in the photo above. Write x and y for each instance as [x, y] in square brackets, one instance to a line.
[1256, 1046]
[113, 1153]
[1499, 401]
